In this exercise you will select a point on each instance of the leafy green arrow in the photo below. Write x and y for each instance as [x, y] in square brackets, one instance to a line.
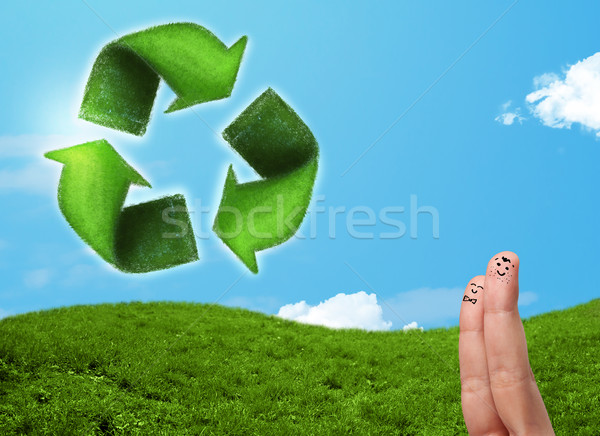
[92, 189]
[122, 86]
[274, 140]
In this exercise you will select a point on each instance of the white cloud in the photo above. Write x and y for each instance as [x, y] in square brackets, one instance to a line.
[509, 117]
[37, 278]
[545, 79]
[559, 103]
[412, 326]
[358, 310]
[437, 307]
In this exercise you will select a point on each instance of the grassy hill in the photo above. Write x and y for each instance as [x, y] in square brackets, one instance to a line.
[177, 368]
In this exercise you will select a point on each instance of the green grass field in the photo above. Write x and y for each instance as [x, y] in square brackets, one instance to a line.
[177, 368]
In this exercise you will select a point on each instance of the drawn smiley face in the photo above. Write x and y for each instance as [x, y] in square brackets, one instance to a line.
[475, 288]
[502, 268]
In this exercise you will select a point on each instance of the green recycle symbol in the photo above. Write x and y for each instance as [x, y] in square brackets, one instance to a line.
[120, 93]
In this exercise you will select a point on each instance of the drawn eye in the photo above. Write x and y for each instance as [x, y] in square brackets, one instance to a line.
[506, 268]
[498, 263]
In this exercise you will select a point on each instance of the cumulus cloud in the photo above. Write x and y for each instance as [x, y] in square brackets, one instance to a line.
[412, 326]
[358, 310]
[508, 117]
[559, 101]
[432, 307]
[575, 98]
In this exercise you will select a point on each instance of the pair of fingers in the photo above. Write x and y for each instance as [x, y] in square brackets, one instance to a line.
[499, 394]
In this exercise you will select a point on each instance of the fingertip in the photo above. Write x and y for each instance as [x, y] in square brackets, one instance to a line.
[477, 401]
[514, 259]
[504, 266]
[513, 386]
[471, 314]
[475, 285]
[478, 280]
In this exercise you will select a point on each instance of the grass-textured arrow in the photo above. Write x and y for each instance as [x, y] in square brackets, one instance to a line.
[140, 238]
[122, 86]
[275, 141]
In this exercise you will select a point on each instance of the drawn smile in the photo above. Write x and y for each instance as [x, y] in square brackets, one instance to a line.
[500, 274]
[474, 290]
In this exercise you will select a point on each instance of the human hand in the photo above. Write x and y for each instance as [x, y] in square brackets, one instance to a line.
[499, 393]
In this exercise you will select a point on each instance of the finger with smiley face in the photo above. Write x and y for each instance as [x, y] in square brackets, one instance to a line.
[477, 401]
[516, 395]
[473, 289]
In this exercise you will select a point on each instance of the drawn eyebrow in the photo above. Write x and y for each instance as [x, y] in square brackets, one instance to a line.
[473, 284]
[480, 287]
[505, 259]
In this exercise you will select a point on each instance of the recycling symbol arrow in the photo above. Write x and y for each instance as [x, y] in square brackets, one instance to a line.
[281, 148]
[120, 93]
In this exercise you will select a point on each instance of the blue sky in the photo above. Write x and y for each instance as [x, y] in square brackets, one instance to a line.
[518, 176]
